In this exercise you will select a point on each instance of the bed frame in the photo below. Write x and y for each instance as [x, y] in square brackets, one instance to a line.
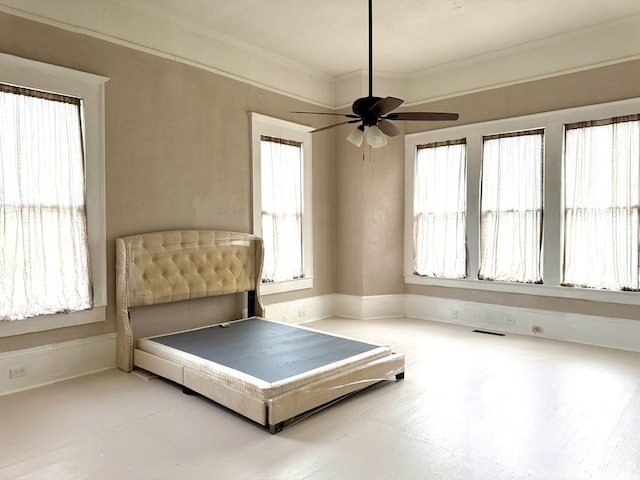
[175, 266]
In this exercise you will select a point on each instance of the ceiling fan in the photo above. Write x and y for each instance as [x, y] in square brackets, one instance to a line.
[374, 114]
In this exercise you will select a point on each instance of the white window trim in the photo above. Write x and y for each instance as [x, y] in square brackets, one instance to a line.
[90, 88]
[553, 124]
[274, 127]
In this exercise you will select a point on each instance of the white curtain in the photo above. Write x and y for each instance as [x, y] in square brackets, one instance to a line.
[601, 196]
[281, 163]
[439, 206]
[44, 262]
[511, 207]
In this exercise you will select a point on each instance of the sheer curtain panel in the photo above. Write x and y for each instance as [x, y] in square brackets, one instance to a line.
[601, 196]
[44, 261]
[511, 207]
[439, 222]
[282, 198]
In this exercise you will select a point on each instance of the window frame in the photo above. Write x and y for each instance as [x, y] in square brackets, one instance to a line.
[485, 183]
[90, 88]
[283, 129]
[433, 147]
[604, 201]
[553, 123]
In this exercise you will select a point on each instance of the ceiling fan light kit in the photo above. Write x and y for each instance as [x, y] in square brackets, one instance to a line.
[374, 136]
[374, 113]
[356, 136]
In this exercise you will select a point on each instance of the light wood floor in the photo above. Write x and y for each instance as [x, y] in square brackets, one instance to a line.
[472, 406]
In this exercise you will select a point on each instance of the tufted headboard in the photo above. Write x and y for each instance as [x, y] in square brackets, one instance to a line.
[171, 266]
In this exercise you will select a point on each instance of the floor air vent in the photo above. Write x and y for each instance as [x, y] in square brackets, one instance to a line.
[489, 333]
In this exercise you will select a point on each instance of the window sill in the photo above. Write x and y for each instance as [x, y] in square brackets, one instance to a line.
[288, 286]
[51, 322]
[604, 296]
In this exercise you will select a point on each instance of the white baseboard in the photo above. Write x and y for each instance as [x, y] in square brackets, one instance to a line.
[348, 306]
[34, 367]
[61, 361]
[302, 310]
[370, 307]
[619, 333]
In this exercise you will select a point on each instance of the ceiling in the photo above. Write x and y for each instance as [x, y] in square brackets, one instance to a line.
[409, 35]
[316, 50]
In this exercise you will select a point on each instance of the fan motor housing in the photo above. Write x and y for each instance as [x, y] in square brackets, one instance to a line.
[362, 108]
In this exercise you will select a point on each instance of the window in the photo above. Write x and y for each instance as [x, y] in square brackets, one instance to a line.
[281, 197]
[511, 207]
[439, 210]
[601, 196]
[64, 197]
[282, 202]
[44, 263]
[552, 206]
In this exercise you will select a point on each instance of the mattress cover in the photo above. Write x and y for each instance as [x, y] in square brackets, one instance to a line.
[262, 358]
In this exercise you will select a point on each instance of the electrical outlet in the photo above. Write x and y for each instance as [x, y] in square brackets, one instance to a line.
[17, 372]
[454, 314]
[302, 313]
[244, 313]
[509, 320]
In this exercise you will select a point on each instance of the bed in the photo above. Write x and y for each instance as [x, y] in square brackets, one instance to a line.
[270, 372]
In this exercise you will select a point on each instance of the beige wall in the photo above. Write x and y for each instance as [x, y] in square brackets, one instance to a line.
[370, 217]
[370, 192]
[178, 156]
[177, 151]
[599, 85]
[606, 84]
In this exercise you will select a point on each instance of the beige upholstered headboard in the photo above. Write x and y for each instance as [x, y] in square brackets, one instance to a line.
[178, 265]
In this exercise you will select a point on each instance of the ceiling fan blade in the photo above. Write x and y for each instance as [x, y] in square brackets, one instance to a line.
[334, 125]
[388, 128]
[347, 115]
[384, 106]
[424, 116]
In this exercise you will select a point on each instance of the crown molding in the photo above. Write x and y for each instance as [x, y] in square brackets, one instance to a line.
[585, 49]
[136, 25]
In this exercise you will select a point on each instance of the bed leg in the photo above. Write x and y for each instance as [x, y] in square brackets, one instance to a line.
[273, 429]
[400, 376]
[188, 391]
[251, 303]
